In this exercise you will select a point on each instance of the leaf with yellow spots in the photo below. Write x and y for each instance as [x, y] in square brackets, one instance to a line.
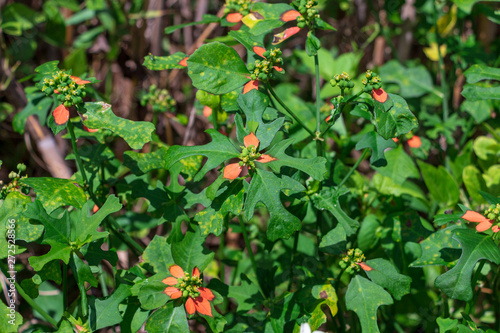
[386, 275]
[156, 63]
[327, 294]
[217, 68]
[135, 133]
[364, 297]
[439, 248]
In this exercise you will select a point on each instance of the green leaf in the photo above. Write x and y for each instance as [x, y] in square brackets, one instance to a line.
[387, 186]
[474, 92]
[327, 294]
[217, 69]
[441, 185]
[479, 110]
[397, 121]
[378, 145]
[168, 319]
[247, 295]
[162, 63]
[446, 324]
[364, 297]
[312, 44]
[151, 295]
[386, 275]
[211, 219]
[10, 321]
[466, 5]
[314, 167]
[141, 163]
[269, 16]
[477, 73]
[266, 187]
[85, 228]
[36, 106]
[190, 252]
[399, 167]
[207, 18]
[135, 133]
[217, 151]
[56, 192]
[105, 312]
[329, 199]
[414, 82]
[439, 248]
[335, 241]
[246, 39]
[158, 254]
[474, 182]
[456, 283]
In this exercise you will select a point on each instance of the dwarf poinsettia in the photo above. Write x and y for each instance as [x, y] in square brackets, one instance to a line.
[248, 157]
[490, 219]
[70, 90]
[262, 69]
[189, 287]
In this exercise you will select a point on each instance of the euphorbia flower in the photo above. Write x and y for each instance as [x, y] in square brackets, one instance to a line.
[189, 287]
[379, 95]
[485, 223]
[415, 142]
[248, 157]
[262, 69]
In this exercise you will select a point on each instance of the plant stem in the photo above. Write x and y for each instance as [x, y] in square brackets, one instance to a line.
[220, 253]
[65, 285]
[294, 252]
[250, 253]
[354, 167]
[491, 131]
[442, 73]
[35, 306]
[102, 280]
[123, 235]
[290, 112]
[319, 145]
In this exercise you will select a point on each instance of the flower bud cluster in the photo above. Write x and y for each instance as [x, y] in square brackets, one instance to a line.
[342, 80]
[372, 81]
[15, 184]
[309, 12]
[159, 99]
[248, 156]
[189, 285]
[68, 92]
[262, 69]
[238, 6]
[350, 261]
[493, 213]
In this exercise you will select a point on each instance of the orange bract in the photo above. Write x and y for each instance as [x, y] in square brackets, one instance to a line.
[380, 95]
[207, 111]
[290, 15]
[259, 50]
[251, 139]
[266, 158]
[415, 142]
[278, 38]
[77, 80]
[234, 17]
[484, 223]
[364, 266]
[253, 84]
[183, 62]
[61, 114]
[232, 171]
[176, 271]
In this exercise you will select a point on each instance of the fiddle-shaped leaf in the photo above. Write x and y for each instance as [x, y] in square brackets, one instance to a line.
[385, 275]
[328, 199]
[207, 18]
[217, 68]
[266, 187]
[364, 297]
[106, 312]
[397, 120]
[158, 254]
[190, 252]
[456, 283]
[168, 319]
[156, 63]
[217, 151]
[135, 133]
[266, 17]
[378, 145]
[211, 219]
[56, 192]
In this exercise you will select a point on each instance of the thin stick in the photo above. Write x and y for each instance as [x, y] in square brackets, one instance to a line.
[354, 167]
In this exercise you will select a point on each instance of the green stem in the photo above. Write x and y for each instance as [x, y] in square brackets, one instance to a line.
[292, 258]
[442, 73]
[290, 112]
[491, 131]
[354, 167]
[114, 225]
[319, 146]
[446, 308]
[102, 280]
[471, 303]
[221, 257]
[65, 285]
[35, 306]
[250, 252]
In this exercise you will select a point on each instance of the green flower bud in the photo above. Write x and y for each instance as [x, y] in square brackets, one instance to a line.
[301, 25]
[21, 167]
[251, 66]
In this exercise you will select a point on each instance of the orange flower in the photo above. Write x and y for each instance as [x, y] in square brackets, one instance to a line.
[484, 222]
[254, 84]
[364, 266]
[415, 142]
[248, 156]
[61, 113]
[182, 284]
[287, 16]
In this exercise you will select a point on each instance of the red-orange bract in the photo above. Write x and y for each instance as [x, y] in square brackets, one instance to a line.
[200, 303]
[379, 95]
[484, 222]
